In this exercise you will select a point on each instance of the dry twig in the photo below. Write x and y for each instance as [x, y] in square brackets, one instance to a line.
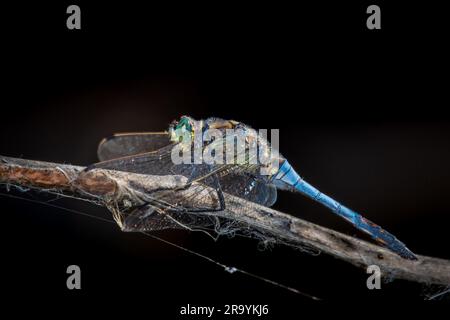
[110, 187]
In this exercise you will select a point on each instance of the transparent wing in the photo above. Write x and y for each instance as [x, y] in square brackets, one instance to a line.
[146, 218]
[249, 188]
[157, 162]
[151, 218]
[125, 144]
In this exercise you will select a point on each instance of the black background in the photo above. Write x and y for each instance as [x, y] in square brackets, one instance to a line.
[362, 115]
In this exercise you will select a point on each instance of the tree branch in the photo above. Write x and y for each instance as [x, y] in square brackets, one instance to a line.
[111, 187]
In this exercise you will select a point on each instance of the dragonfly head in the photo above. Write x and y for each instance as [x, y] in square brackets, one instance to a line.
[182, 129]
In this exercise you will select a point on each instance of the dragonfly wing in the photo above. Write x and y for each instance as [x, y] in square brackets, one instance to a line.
[144, 153]
[125, 144]
[150, 218]
[250, 188]
[237, 180]
[147, 218]
[157, 162]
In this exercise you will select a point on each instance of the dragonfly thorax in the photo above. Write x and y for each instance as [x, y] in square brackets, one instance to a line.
[216, 141]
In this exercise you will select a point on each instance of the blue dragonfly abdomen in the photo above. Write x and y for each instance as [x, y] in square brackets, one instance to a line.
[288, 179]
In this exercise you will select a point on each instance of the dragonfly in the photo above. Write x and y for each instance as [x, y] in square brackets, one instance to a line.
[152, 153]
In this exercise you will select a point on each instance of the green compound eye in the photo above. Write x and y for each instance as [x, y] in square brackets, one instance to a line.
[184, 122]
